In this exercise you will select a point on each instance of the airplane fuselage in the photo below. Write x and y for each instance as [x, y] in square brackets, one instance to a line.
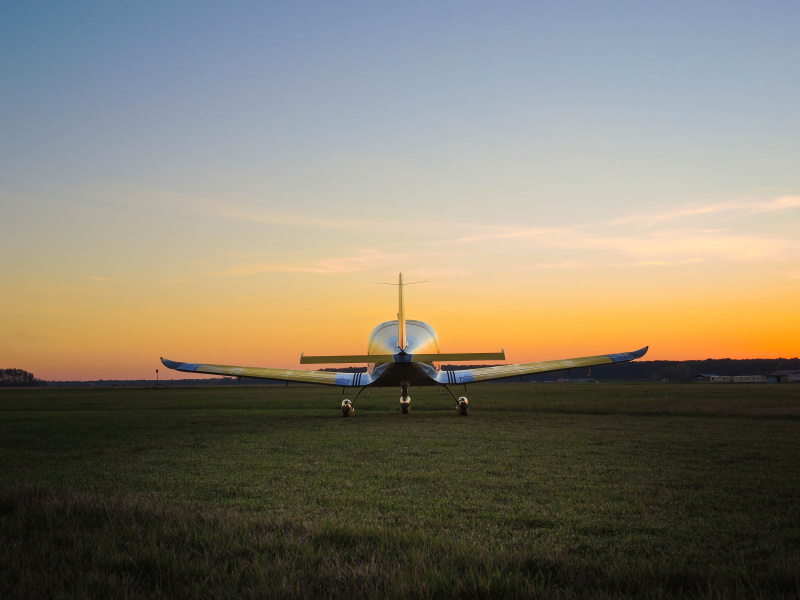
[420, 339]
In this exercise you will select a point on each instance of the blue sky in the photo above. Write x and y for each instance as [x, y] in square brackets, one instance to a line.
[203, 142]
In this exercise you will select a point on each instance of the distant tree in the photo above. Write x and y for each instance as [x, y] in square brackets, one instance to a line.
[677, 372]
[18, 378]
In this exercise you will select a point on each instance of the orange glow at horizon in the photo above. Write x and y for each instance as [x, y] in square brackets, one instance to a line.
[122, 336]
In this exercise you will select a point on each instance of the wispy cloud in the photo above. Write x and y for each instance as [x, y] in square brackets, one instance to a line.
[741, 208]
[503, 234]
[662, 263]
[649, 219]
[660, 239]
[361, 261]
[258, 210]
[686, 244]
[783, 203]
[566, 264]
[664, 245]
[349, 264]
[664, 239]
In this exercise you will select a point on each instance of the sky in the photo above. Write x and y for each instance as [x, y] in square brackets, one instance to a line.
[225, 182]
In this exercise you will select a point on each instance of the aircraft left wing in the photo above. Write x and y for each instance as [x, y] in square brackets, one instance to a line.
[501, 371]
[319, 377]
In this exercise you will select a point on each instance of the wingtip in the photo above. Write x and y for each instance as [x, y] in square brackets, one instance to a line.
[626, 356]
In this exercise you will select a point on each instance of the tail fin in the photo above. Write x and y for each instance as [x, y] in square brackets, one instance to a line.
[401, 319]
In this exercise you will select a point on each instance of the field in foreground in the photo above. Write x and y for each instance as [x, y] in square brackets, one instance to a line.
[544, 490]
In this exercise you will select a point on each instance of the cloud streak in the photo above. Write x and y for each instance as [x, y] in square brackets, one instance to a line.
[258, 210]
[662, 240]
[362, 261]
[735, 208]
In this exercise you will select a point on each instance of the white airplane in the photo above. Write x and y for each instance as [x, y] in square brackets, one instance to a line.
[404, 352]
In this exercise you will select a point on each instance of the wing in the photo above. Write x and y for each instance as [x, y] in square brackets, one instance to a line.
[320, 377]
[501, 371]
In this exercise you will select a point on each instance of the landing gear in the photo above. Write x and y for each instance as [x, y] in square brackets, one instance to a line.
[462, 404]
[348, 410]
[405, 399]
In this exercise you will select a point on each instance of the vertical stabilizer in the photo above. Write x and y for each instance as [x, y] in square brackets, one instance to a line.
[401, 319]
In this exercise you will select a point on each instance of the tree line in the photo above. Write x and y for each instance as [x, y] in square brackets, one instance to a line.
[661, 370]
[18, 378]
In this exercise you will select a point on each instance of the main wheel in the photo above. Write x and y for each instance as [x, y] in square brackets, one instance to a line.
[348, 410]
[463, 406]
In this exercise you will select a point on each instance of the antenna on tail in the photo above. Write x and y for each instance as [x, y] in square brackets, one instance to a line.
[401, 315]
[401, 319]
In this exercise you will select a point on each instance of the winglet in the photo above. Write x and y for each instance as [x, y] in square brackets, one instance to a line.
[179, 366]
[626, 356]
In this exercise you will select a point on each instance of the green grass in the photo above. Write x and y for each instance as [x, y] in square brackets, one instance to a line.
[544, 490]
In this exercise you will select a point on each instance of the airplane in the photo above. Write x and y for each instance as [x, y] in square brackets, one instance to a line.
[404, 352]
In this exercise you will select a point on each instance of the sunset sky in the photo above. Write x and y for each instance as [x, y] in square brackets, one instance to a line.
[225, 182]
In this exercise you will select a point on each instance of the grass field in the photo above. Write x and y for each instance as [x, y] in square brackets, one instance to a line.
[544, 490]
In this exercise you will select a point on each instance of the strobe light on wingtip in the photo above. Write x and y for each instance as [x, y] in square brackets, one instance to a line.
[404, 352]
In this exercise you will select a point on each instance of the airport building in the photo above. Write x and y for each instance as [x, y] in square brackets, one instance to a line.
[750, 379]
[711, 378]
[784, 376]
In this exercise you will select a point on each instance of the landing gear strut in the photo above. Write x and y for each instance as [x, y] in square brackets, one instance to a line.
[462, 404]
[348, 410]
[405, 399]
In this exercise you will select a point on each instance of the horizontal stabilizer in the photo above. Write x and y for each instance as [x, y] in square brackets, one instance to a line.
[348, 358]
[387, 358]
[460, 357]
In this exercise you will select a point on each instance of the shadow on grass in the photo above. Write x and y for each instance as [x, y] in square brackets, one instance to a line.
[57, 543]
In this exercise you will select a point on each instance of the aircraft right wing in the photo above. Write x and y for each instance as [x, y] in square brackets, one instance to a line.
[501, 371]
[319, 377]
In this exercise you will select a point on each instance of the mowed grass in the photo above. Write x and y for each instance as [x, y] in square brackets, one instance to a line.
[544, 490]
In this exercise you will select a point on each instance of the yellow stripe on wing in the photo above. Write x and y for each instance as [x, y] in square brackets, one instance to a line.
[322, 377]
[487, 373]
[319, 377]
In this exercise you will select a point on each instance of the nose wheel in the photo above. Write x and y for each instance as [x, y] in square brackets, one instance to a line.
[405, 399]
